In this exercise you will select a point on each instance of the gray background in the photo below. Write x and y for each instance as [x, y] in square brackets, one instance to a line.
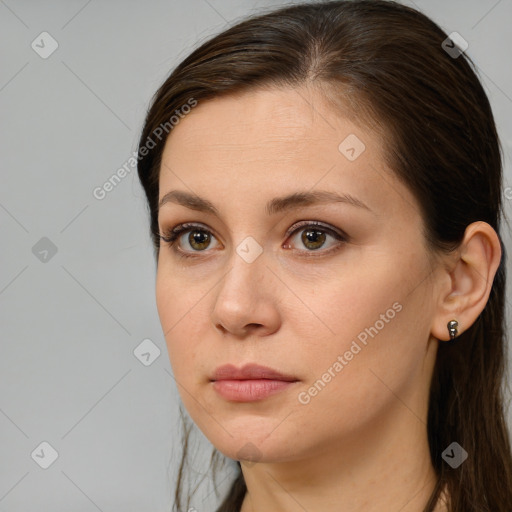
[70, 323]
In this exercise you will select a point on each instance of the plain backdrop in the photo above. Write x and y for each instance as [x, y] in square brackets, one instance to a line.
[77, 273]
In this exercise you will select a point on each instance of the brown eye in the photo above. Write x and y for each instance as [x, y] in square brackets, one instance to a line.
[189, 238]
[199, 239]
[313, 238]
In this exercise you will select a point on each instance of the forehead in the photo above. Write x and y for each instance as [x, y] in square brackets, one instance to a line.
[265, 119]
[274, 140]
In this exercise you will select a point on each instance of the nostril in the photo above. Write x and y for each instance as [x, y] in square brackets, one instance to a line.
[253, 326]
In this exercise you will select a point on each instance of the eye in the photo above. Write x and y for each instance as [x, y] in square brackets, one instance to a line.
[314, 235]
[198, 238]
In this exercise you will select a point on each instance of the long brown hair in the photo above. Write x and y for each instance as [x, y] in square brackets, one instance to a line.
[391, 66]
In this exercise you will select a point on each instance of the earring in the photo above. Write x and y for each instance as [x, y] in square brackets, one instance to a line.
[452, 328]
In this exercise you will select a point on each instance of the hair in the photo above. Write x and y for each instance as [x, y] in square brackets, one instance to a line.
[385, 64]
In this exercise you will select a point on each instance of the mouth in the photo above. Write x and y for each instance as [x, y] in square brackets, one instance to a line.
[250, 383]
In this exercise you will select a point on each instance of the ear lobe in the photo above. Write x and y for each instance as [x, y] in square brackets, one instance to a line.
[472, 275]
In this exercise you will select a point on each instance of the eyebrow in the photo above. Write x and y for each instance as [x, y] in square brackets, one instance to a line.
[274, 206]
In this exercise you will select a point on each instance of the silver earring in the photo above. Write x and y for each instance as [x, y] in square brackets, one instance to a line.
[452, 328]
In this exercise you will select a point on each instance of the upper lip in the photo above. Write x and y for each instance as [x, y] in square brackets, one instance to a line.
[249, 371]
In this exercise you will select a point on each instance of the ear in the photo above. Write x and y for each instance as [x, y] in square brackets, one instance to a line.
[467, 280]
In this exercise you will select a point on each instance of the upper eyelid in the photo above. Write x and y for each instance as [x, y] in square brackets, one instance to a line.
[321, 225]
[185, 227]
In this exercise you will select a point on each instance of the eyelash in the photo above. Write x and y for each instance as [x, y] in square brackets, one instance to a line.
[170, 236]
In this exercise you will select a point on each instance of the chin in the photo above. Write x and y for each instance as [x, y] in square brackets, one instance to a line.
[250, 451]
[247, 438]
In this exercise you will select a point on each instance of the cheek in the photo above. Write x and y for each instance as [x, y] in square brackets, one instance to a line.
[358, 382]
[350, 303]
[372, 325]
[178, 309]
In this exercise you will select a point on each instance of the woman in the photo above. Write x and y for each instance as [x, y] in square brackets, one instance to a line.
[324, 185]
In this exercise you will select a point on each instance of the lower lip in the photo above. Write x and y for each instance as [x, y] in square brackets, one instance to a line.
[249, 390]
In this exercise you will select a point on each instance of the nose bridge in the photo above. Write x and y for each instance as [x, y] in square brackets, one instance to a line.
[246, 272]
[245, 295]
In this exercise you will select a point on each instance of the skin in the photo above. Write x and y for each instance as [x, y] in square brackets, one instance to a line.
[360, 443]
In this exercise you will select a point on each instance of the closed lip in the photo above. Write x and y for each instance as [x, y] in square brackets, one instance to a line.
[249, 371]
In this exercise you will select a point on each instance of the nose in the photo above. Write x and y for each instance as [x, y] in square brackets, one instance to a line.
[247, 300]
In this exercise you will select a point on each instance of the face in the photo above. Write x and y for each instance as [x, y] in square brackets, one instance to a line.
[300, 252]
